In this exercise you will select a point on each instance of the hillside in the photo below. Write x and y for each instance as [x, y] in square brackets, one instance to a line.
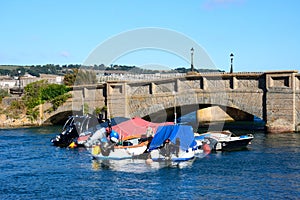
[36, 70]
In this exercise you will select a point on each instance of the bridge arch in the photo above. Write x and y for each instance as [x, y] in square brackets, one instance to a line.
[59, 118]
[162, 107]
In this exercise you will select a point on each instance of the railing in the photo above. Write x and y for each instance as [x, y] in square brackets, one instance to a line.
[137, 77]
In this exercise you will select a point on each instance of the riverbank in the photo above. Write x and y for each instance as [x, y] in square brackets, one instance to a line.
[20, 122]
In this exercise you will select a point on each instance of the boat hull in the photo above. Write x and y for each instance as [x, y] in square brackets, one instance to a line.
[232, 145]
[159, 155]
[118, 152]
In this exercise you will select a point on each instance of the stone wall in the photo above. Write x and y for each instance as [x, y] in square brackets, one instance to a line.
[280, 101]
[297, 101]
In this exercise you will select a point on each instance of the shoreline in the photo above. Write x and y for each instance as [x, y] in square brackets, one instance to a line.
[22, 122]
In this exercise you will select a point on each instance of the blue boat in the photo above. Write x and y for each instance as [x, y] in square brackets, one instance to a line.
[175, 144]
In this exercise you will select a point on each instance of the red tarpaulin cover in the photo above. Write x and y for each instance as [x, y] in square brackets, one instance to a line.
[137, 127]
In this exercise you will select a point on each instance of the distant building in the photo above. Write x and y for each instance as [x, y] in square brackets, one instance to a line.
[7, 82]
[16, 86]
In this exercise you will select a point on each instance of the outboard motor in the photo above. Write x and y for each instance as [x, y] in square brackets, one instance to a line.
[68, 134]
[65, 138]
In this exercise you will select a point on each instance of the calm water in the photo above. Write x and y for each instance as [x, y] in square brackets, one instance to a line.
[33, 169]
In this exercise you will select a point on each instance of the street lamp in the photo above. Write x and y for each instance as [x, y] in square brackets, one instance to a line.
[192, 54]
[19, 72]
[231, 63]
[175, 113]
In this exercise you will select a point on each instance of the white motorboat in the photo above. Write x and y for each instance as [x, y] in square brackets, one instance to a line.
[226, 140]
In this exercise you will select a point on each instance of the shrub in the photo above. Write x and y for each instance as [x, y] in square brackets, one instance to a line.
[3, 93]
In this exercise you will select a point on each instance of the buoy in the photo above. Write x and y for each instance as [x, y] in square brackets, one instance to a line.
[149, 161]
[72, 145]
[206, 148]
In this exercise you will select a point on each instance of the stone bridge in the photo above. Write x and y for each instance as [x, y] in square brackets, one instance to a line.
[271, 96]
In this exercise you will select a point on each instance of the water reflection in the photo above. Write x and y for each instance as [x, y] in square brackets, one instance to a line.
[291, 140]
[126, 165]
[136, 165]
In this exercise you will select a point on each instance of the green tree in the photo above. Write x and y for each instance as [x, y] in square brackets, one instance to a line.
[70, 77]
[80, 77]
[39, 92]
[85, 77]
[33, 93]
[53, 90]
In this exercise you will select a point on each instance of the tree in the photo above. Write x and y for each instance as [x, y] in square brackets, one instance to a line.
[70, 77]
[33, 93]
[80, 77]
[85, 77]
[53, 90]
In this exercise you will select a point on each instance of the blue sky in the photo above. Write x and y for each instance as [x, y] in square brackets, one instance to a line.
[263, 35]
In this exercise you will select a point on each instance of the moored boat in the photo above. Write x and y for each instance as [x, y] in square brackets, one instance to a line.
[130, 140]
[118, 152]
[226, 140]
[74, 126]
[136, 127]
[108, 149]
[175, 144]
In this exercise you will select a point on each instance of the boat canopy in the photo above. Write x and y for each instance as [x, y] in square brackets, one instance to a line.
[183, 133]
[114, 121]
[136, 127]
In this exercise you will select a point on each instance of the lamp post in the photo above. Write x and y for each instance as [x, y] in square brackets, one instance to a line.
[231, 63]
[19, 72]
[175, 113]
[192, 63]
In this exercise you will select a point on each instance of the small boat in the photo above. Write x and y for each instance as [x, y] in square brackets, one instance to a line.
[114, 149]
[74, 126]
[174, 144]
[124, 127]
[130, 140]
[85, 136]
[226, 140]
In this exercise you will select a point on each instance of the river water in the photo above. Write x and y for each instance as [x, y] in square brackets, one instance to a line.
[31, 168]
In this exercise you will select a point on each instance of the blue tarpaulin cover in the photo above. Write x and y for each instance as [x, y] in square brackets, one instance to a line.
[172, 132]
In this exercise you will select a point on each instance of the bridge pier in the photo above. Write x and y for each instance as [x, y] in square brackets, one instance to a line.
[116, 99]
[280, 101]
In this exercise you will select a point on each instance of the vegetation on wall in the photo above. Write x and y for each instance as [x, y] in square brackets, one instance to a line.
[16, 109]
[86, 108]
[59, 100]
